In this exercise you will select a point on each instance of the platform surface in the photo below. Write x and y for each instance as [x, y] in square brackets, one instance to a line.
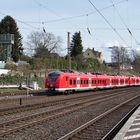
[131, 129]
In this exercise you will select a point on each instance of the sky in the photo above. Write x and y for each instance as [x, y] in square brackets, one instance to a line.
[102, 23]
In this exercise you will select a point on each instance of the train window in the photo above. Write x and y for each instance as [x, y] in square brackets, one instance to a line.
[87, 81]
[70, 82]
[53, 76]
[122, 81]
[74, 82]
[84, 81]
[112, 81]
[81, 81]
[66, 78]
[93, 81]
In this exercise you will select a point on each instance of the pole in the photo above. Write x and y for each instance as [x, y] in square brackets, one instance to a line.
[69, 56]
[20, 100]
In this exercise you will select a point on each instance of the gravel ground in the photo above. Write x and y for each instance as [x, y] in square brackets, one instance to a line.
[55, 129]
[7, 102]
[10, 102]
[40, 110]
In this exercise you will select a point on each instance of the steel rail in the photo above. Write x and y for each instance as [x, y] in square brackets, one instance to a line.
[51, 117]
[110, 135]
[86, 125]
[12, 110]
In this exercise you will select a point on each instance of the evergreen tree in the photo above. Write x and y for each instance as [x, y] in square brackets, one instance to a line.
[8, 25]
[76, 45]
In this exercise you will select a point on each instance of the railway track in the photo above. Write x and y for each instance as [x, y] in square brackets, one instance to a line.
[111, 134]
[97, 127]
[29, 107]
[20, 123]
[22, 92]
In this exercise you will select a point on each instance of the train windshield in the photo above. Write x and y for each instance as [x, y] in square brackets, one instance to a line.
[53, 76]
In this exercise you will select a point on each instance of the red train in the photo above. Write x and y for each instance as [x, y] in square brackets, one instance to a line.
[71, 81]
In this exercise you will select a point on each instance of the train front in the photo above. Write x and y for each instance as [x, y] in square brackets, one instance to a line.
[52, 81]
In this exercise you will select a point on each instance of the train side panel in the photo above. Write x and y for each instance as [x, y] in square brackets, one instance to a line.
[58, 81]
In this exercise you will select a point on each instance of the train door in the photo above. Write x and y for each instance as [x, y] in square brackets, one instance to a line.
[119, 84]
[89, 82]
[111, 82]
[78, 82]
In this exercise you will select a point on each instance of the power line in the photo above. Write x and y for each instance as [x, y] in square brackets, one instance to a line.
[107, 21]
[71, 17]
[22, 22]
[127, 28]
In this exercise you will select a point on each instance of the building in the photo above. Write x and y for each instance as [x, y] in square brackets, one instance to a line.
[91, 53]
[6, 42]
[2, 64]
[115, 65]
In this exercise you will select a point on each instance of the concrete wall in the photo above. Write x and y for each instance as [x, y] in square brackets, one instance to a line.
[4, 71]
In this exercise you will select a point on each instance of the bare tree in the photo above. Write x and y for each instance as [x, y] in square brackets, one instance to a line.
[120, 56]
[136, 61]
[43, 44]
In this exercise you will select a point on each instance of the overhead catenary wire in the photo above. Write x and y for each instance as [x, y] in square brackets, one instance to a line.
[67, 18]
[84, 29]
[27, 24]
[107, 22]
[71, 17]
[60, 19]
[127, 28]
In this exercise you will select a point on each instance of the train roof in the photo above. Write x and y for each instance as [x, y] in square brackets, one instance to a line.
[64, 71]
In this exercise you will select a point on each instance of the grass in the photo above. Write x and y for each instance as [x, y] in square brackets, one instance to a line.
[8, 90]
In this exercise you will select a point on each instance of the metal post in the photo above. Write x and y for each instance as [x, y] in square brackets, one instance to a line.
[27, 84]
[69, 55]
[20, 101]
